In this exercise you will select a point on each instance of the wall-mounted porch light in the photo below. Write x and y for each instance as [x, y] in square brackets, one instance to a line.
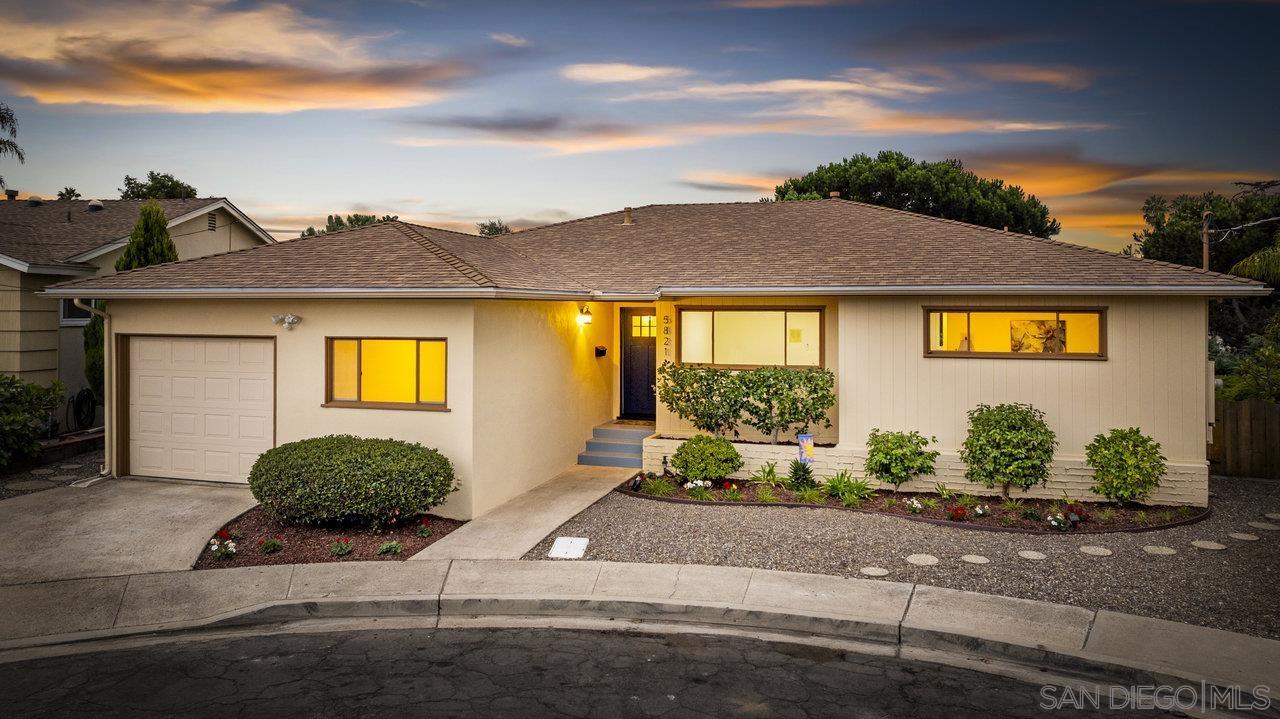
[584, 316]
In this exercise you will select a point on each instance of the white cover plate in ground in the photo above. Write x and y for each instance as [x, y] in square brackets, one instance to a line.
[568, 548]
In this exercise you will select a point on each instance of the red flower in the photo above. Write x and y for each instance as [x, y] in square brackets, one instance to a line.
[425, 520]
[261, 542]
[223, 534]
[957, 513]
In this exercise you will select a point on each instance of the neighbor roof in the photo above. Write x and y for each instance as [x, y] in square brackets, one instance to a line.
[820, 247]
[63, 234]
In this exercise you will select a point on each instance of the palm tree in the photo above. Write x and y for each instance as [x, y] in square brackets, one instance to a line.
[9, 126]
[1263, 265]
[68, 193]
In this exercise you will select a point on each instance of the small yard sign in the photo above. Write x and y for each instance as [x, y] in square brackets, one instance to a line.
[806, 447]
[568, 548]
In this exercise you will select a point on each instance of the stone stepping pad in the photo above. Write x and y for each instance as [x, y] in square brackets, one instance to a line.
[975, 559]
[874, 571]
[1095, 551]
[1206, 544]
[42, 470]
[1243, 537]
[1265, 525]
[1273, 515]
[922, 560]
[1032, 555]
[1158, 550]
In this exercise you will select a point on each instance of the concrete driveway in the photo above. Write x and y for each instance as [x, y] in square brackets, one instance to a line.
[115, 527]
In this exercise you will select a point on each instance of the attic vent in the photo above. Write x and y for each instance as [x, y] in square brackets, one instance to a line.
[95, 205]
[213, 221]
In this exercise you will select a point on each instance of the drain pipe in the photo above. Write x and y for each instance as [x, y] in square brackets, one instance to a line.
[108, 384]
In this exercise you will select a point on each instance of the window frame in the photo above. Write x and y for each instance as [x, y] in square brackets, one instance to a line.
[65, 321]
[1101, 356]
[329, 401]
[822, 333]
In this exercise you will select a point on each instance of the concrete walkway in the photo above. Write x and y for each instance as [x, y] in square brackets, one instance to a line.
[58, 617]
[115, 527]
[515, 527]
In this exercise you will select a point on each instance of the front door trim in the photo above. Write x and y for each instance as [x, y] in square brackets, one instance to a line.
[625, 410]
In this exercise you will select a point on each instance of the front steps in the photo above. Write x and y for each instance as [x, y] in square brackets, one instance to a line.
[616, 444]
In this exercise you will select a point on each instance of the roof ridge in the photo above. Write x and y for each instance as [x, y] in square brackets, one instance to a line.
[457, 263]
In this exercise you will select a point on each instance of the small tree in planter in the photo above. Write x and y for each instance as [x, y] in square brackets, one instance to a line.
[896, 457]
[24, 416]
[702, 458]
[776, 399]
[711, 399]
[1008, 445]
[1127, 465]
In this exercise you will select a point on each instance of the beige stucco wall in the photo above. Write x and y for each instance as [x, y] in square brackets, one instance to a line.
[539, 389]
[194, 239]
[300, 358]
[28, 327]
[669, 425]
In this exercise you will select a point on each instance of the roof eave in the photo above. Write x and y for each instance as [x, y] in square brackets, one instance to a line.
[35, 268]
[1217, 290]
[318, 293]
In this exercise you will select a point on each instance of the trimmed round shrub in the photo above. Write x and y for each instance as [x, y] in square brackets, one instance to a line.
[1127, 465]
[706, 458]
[341, 479]
[896, 457]
[1009, 445]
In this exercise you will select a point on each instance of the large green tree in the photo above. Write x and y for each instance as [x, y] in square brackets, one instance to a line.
[1172, 234]
[9, 145]
[493, 228]
[940, 189]
[335, 222]
[149, 244]
[157, 186]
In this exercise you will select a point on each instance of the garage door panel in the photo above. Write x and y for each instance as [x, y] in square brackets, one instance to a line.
[200, 408]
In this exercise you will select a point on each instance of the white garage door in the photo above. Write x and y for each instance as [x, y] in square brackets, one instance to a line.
[200, 407]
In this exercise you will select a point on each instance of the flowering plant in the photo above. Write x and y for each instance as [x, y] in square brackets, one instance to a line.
[222, 546]
[981, 510]
[270, 545]
[914, 506]
[342, 547]
[705, 484]
[957, 513]
[1059, 522]
[424, 527]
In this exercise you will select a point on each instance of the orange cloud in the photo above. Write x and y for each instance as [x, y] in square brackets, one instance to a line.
[1063, 77]
[732, 182]
[617, 72]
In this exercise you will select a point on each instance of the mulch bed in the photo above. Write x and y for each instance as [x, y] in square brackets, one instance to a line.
[1099, 517]
[310, 545]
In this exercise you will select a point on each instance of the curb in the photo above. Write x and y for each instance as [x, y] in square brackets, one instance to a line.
[1105, 647]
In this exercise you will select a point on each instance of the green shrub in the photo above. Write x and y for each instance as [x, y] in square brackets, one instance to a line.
[703, 458]
[24, 416]
[392, 547]
[777, 399]
[810, 495]
[895, 457]
[1127, 465]
[270, 545]
[700, 493]
[768, 474]
[709, 398]
[657, 487]
[800, 476]
[765, 494]
[1009, 445]
[342, 547]
[843, 483]
[346, 479]
[733, 494]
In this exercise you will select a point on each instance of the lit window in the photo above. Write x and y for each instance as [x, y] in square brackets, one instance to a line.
[644, 326]
[751, 338]
[395, 373]
[1031, 333]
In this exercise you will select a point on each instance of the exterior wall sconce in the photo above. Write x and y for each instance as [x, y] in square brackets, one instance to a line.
[584, 316]
[287, 320]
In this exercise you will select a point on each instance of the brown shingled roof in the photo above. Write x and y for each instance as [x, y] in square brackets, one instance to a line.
[831, 245]
[57, 230]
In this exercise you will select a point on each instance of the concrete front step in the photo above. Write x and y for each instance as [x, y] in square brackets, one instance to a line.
[610, 459]
[615, 445]
[631, 432]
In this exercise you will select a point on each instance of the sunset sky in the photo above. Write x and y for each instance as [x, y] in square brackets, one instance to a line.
[449, 112]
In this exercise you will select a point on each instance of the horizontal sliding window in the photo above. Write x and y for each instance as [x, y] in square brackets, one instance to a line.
[404, 373]
[750, 338]
[1031, 333]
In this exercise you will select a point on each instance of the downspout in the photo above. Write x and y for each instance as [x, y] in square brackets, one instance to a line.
[108, 385]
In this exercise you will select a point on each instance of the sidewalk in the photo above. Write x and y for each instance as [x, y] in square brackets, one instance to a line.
[1108, 646]
[517, 526]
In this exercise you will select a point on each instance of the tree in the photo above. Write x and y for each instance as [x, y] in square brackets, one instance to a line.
[158, 186]
[68, 193]
[333, 223]
[149, 244]
[493, 228]
[1257, 374]
[8, 145]
[939, 189]
[1172, 234]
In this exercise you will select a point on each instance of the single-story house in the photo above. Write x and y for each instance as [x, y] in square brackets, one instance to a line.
[507, 353]
[45, 242]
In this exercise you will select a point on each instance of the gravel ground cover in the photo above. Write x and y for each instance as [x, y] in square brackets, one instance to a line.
[1236, 589]
[57, 473]
[310, 545]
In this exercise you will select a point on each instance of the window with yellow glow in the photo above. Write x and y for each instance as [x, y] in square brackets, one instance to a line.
[385, 371]
[1036, 333]
[749, 338]
[644, 326]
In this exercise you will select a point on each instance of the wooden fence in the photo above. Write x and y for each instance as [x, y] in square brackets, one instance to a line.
[1246, 439]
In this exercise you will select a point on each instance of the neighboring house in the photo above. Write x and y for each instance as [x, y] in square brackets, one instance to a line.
[44, 242]
[482, 347]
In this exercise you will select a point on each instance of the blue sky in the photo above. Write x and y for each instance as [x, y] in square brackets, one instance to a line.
[450, 112]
